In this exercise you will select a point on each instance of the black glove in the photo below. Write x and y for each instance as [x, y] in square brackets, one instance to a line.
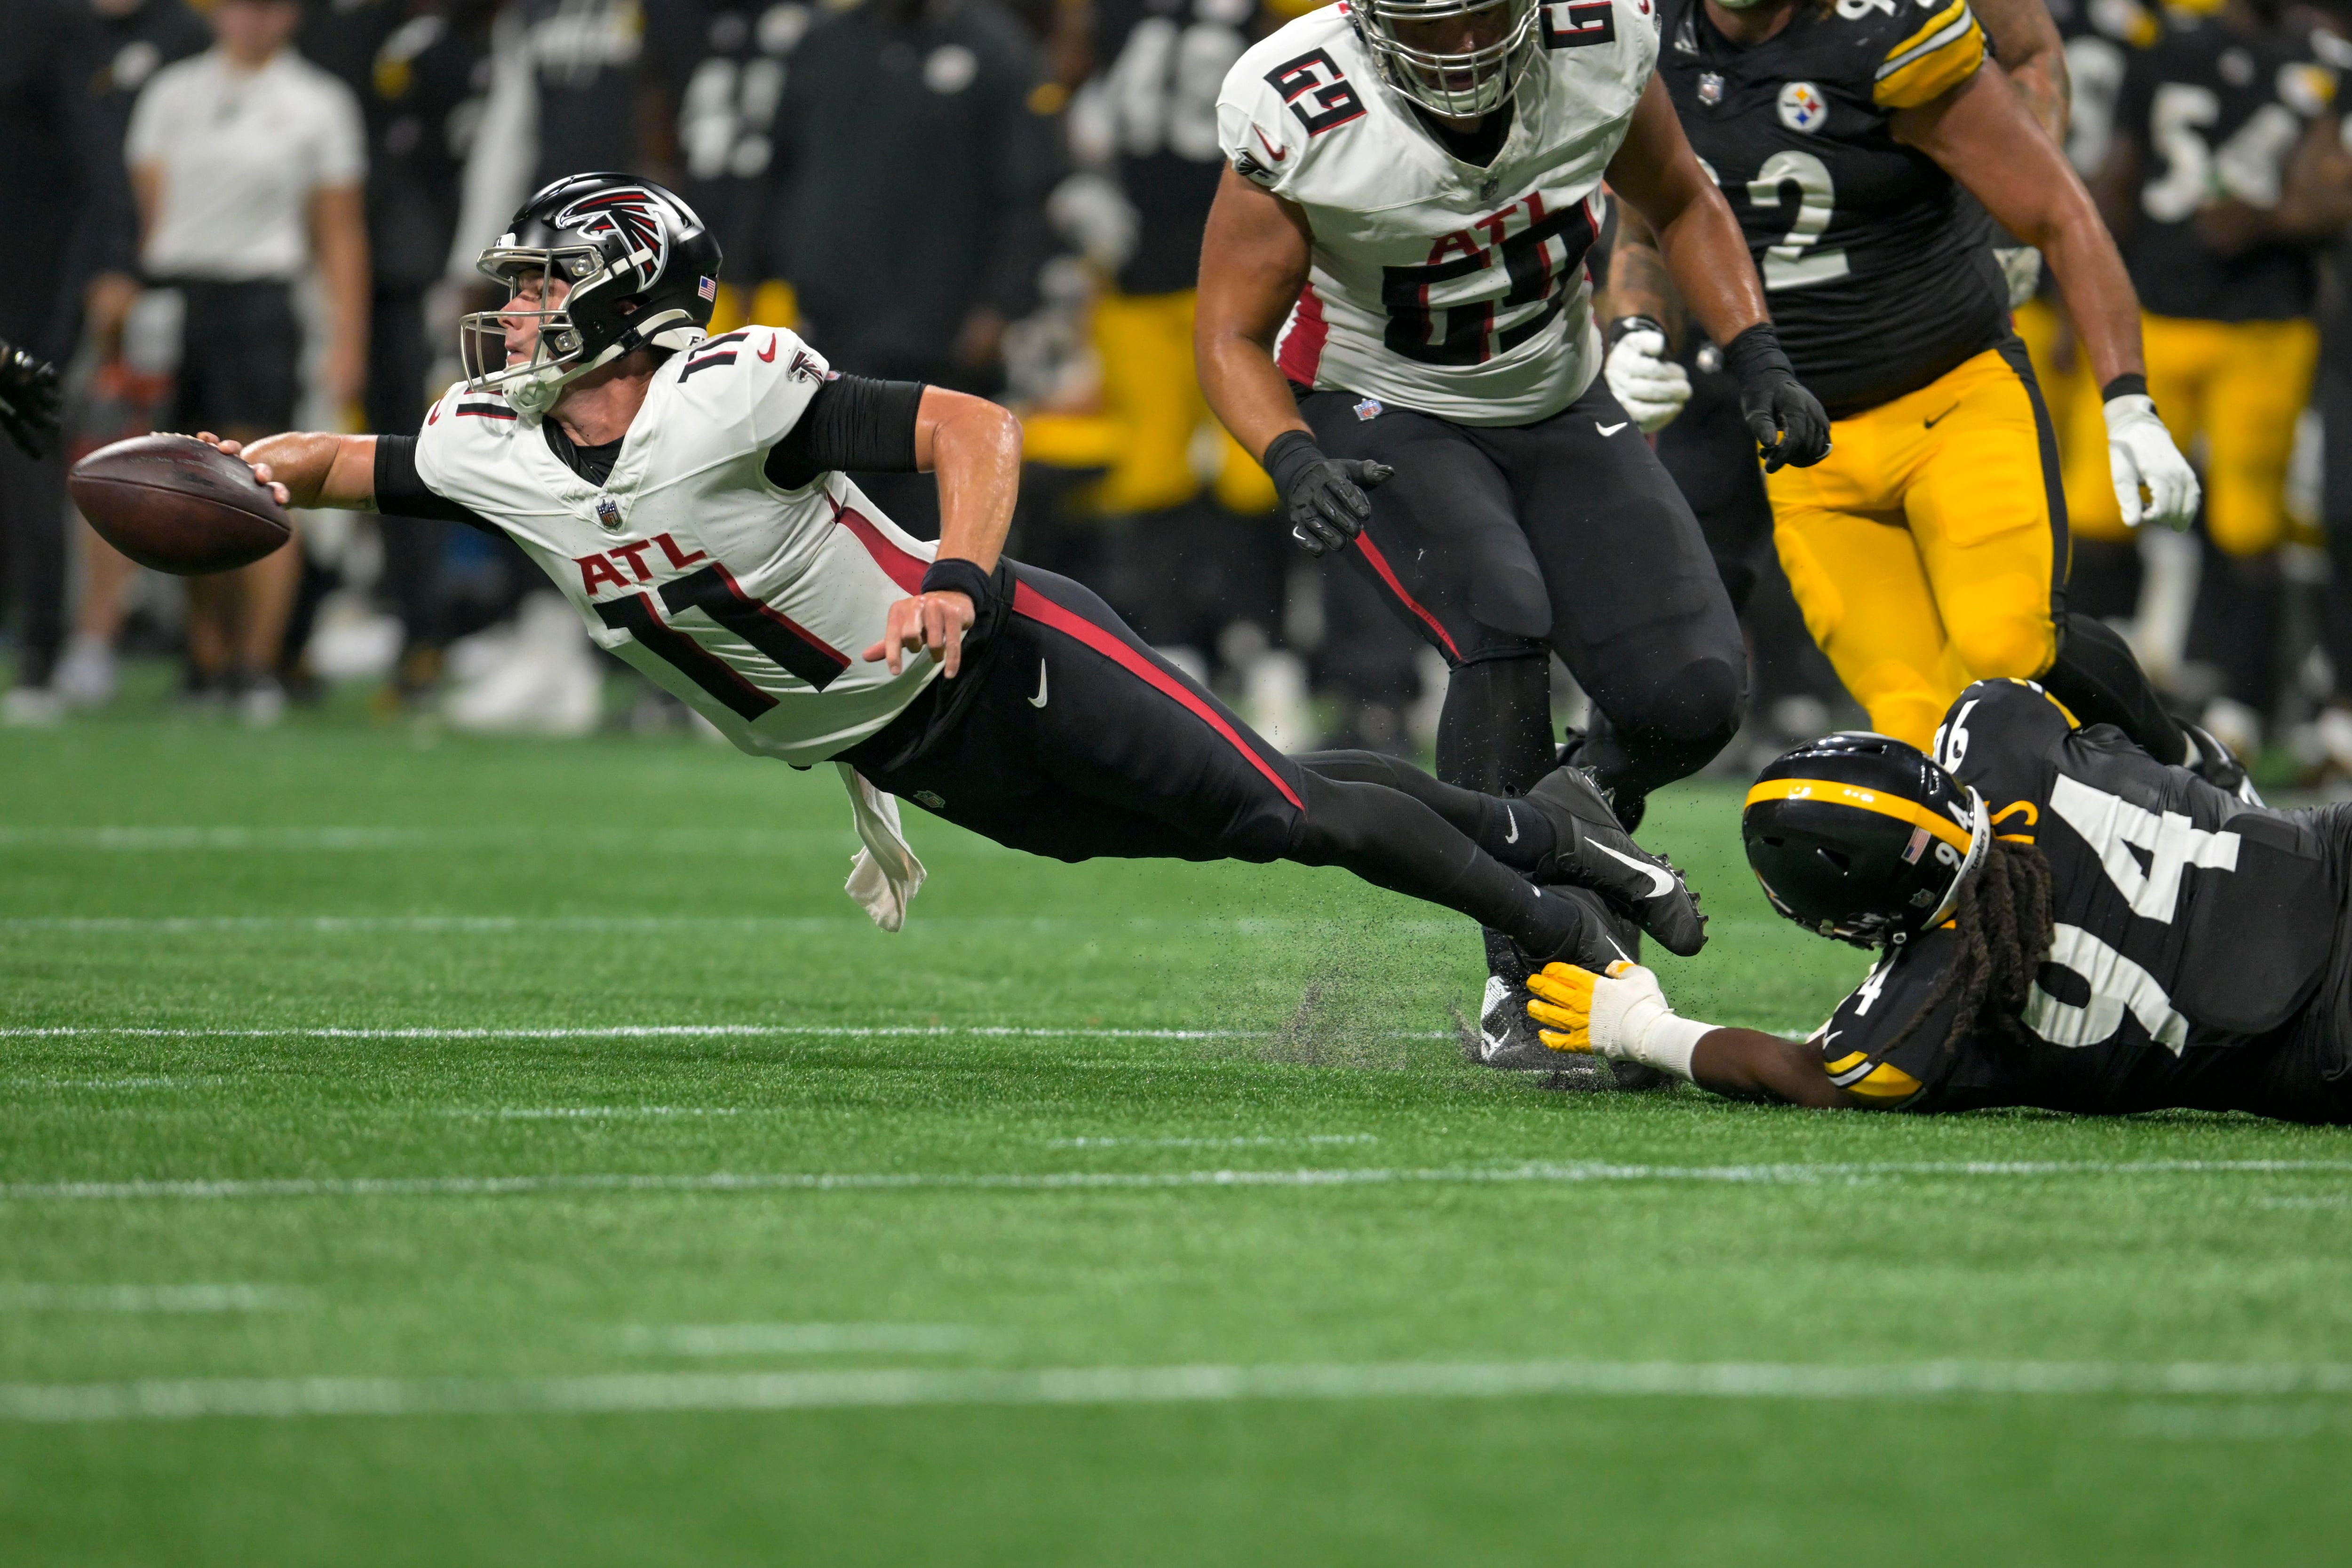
[1323, 497]
[1786, 421]
[28, 399]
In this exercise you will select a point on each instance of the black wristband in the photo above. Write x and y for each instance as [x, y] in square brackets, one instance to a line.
[2124, 386]
[1625, 324]
[1754, 352]
[1287, 456]
[953, 574]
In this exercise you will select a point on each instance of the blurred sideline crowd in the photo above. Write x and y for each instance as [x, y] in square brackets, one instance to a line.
[263, 214]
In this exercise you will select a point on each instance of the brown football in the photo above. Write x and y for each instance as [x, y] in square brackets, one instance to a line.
[175, 504]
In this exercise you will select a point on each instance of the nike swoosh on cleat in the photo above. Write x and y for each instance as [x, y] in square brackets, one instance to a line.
[1511, 817]
[1661, 883]
[1608, 429]
[1039, 700]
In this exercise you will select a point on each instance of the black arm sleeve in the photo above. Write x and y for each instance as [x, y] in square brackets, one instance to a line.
[400, 493]
[852, 421]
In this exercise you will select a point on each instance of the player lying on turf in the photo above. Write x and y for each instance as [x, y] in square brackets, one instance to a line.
[685, 493]
[2066, 922]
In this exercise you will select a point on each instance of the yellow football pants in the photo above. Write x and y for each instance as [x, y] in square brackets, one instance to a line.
[2240, 385]
[1928, 549]
[1153, 396]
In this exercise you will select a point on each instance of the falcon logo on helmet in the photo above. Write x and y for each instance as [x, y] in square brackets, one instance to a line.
[596, 266]
[1863, 838]
[632, 212]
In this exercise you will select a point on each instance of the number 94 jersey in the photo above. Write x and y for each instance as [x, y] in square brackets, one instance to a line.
[1434, 284]
[1876, 265]
[2190, 932]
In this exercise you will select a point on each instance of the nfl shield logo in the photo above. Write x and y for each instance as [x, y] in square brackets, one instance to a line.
[1710, 88]
[1369, 409]
[1802, 106]
[608, 512]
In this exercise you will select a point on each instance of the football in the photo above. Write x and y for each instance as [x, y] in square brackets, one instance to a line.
[178, 505]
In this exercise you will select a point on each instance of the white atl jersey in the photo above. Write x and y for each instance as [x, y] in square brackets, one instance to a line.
[753, 603]
[1437, 285]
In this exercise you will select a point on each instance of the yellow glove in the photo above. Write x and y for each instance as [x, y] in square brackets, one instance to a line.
[1622, 1015]
[1566, 1001]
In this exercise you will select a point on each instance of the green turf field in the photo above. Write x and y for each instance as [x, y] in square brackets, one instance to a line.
[438, 1152]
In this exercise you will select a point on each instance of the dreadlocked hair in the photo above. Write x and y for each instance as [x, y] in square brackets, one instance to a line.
[2003, 922]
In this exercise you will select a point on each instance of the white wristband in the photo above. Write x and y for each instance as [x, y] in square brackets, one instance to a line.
[1667, 1043]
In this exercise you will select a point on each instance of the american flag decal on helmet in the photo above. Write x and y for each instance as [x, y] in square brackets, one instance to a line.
[708, 288]
[637, 216]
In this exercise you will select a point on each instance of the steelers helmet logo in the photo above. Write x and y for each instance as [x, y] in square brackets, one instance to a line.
[1802, 106]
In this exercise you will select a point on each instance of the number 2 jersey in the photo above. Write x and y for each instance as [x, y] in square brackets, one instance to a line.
[752, 602]
[1434, 284]
[1877, 266]
[2195, 954]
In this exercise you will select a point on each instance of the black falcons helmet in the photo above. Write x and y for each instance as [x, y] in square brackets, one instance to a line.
[642, 270]
[1863, 838]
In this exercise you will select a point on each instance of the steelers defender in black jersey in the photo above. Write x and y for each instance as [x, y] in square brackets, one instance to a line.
[1862, 143]
[2064, 921]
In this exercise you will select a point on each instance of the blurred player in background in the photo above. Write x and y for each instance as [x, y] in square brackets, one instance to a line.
[720, 66]
[1930, 549]
[2225, 173]
[50, 177]
[930, 133]
[1185, 557]
[136, 40]
[421, 71]
[248, 162]
[2064, 921]
[2100, 36]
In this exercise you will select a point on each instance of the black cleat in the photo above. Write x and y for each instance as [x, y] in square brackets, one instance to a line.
[2219, 765]
[1592, 850]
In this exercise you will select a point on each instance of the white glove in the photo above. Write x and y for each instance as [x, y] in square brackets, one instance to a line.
[2140, 452]
[1622, 1015]
[1652, 387]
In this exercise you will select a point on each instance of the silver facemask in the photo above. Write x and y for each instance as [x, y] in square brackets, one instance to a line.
[1459, 84]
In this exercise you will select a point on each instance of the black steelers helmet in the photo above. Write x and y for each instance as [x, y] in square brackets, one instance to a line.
[641, 269]
[1863, 838]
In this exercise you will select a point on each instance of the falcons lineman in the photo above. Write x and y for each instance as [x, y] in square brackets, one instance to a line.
[683, 492]
[1393, 292]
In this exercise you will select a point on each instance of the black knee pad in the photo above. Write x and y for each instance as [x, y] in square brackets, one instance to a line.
[1677, 726]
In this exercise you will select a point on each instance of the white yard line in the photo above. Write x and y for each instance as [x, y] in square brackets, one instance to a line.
[648, 1031]
[798, 1339]
[19, 1298]
[1796, 1175]
[1273, 1141]
[295, 1397]
[556, 1113]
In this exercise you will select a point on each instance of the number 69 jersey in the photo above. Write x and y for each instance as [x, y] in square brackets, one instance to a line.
[2187, 925]
[1877, 266]
[751, 602]
[1434, 284]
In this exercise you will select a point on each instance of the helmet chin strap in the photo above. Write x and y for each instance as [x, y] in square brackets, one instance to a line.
[1979, 844]
[535, 394]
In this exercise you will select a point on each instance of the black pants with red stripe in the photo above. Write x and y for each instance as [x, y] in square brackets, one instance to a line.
[1065, 736]
[1502, 545]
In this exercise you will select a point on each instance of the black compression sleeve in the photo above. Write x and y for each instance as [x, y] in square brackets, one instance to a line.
[852, 421]
[400, 493]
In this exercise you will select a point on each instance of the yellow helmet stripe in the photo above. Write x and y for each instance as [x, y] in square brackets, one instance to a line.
[1830, 793]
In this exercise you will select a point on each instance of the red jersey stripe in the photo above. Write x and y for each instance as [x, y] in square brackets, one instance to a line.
[1300, 353]
[1029, 602]
[1388, 575]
